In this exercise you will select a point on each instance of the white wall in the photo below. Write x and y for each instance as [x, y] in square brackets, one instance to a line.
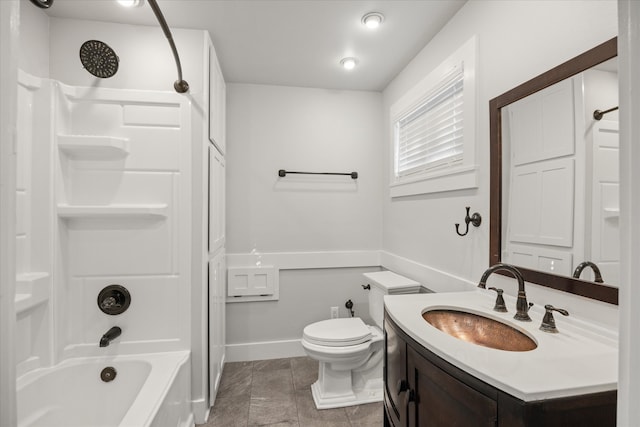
[629, 369]
[517, 40]
[300, 129]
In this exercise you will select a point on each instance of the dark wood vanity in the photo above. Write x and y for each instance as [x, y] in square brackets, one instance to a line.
[423, 390]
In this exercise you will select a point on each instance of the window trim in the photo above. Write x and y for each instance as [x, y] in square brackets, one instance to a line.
[462, 175]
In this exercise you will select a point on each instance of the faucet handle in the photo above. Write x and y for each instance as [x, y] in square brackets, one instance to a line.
[500, 305]
[548, 322]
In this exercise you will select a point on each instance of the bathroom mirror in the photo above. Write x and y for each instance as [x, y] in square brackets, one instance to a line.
[540, 191]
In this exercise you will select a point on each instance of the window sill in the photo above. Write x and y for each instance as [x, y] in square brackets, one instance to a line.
[461, 178]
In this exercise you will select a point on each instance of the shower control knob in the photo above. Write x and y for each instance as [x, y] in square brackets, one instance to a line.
[114, 299]
[109, 302]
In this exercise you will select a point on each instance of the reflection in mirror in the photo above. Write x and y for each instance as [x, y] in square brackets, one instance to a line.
[560, 177]
[554, 176]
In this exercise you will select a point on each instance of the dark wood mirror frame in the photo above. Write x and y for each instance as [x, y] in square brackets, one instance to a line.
[580, 63]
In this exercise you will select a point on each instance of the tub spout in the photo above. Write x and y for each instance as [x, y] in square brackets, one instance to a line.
[110, 335]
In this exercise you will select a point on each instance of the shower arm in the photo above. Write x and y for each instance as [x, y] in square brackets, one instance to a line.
[180, 85]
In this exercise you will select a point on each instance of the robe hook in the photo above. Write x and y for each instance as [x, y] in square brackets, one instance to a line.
[475, 219]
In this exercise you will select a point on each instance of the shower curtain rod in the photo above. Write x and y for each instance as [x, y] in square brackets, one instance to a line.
[598, 114]
[180, 85]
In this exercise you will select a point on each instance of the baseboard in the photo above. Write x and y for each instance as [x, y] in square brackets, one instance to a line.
[190, 422]
[200, 411]
[264, 350]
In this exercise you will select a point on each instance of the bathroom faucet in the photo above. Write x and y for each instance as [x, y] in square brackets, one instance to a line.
[583, 265]
[522, 307]
[109, 336]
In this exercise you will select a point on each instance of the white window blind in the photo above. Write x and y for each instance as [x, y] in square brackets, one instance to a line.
[430, 136]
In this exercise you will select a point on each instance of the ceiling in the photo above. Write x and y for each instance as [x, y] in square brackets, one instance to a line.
[293, 42]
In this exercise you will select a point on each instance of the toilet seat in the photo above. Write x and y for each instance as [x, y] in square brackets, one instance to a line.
[342, 332]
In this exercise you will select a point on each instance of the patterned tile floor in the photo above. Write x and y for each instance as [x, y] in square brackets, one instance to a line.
[278, 393]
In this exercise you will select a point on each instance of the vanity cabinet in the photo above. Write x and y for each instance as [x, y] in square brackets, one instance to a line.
[424, 390]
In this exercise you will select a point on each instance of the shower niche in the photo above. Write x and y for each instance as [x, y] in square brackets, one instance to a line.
[93, 147]
[97, 148]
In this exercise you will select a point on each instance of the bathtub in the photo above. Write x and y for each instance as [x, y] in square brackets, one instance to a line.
[149, 390]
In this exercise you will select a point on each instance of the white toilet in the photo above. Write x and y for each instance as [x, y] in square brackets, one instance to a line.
[349, 351]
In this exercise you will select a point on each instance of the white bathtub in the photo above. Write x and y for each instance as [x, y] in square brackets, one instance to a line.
[149, 390]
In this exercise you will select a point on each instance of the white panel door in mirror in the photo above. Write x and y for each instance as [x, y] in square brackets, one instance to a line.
[541, 125]
[605, 206]
[541, 203]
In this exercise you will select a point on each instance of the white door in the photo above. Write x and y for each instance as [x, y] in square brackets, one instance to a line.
[605, 206]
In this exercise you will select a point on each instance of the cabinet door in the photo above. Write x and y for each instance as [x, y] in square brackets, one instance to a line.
[440, 400]
[217, 207]
[217, 337]
[395, 374]
[217, 103]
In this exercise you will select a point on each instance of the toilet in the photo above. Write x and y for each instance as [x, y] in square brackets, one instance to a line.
[350, 352]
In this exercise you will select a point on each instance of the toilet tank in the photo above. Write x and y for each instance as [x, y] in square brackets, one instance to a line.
[386, 283]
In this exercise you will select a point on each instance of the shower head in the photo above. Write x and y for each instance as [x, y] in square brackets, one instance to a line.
[98, 59]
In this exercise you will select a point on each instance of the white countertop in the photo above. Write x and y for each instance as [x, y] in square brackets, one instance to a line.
[573, 362]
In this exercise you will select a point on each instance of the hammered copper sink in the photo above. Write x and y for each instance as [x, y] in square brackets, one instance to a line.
[479, 330]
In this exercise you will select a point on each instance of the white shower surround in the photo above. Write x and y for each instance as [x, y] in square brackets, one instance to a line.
[115, 207]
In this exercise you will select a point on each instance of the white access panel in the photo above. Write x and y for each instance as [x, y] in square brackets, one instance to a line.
[259, 282]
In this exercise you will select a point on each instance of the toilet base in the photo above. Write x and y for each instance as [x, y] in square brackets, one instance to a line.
[336, 389]
[360, 397]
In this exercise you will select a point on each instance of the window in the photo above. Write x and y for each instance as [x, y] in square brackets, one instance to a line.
[433, 129]
[430, 136]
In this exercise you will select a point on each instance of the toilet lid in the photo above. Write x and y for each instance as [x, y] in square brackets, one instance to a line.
[337, 332]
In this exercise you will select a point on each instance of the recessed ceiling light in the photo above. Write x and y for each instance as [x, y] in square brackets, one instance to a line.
[349, 63]
[373, 20]
[130, 3]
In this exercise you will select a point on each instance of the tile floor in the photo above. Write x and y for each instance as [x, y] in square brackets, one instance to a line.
[278, 393]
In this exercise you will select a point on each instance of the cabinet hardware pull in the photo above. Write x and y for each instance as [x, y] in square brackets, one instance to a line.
[410, 397]
[402, 386]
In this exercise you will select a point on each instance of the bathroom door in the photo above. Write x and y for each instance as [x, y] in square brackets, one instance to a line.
[605, 205]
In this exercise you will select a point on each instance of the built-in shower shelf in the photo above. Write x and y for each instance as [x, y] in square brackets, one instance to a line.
[112, 211]
[93, 147]
[611, 213]
[32, 289]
